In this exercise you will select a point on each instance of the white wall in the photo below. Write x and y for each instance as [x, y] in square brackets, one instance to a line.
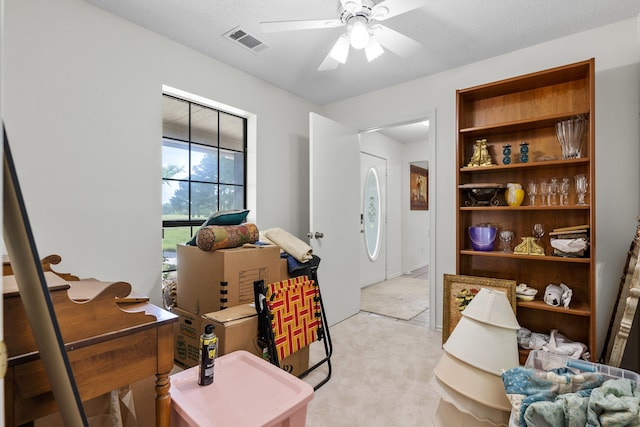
[83, 114]
[615, 48]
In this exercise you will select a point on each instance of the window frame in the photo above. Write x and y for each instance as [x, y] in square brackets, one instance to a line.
[190, 222]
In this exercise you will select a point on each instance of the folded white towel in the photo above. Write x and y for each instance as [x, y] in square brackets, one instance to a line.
[289, 243]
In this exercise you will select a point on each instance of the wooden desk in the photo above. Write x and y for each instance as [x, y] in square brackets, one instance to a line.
[109, 346]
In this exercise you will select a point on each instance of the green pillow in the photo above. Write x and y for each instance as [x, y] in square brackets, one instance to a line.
[231, 217]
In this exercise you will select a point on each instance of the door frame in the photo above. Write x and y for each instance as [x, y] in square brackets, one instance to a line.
[431, 152]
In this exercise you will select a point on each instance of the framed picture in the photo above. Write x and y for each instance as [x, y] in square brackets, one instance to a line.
[459, 292]
[625, 307]
[419, 188]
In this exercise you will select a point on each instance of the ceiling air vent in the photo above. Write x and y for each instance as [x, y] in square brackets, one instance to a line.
[246, 40]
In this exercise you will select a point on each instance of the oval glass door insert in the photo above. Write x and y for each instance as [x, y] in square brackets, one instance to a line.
[371, 205]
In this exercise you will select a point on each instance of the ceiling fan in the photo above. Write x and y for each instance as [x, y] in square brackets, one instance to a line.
[360, 17]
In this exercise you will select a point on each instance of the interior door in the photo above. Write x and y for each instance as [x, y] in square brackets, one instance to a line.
[334, 162]
[373, 233]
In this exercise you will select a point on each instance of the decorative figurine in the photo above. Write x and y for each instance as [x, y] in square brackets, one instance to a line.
[528, 246]
[524, 152]
[481, 156]
[475, 158]
[506, 152]
[555, 295]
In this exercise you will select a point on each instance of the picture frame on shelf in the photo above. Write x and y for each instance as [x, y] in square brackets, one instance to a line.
[459, 290]
[418, 188]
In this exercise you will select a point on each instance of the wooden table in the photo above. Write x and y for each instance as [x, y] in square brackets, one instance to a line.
[109, 345]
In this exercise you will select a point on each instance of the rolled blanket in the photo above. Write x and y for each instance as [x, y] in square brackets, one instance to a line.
[289, 243]
[214, 237]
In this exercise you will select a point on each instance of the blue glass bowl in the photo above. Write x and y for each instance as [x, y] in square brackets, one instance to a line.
[482, 237]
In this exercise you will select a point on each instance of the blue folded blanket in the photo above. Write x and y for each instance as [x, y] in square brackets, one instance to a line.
[563, 398]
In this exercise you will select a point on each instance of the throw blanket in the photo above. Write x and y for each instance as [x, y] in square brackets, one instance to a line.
[289, 243]
[562, 398]
[214, 237]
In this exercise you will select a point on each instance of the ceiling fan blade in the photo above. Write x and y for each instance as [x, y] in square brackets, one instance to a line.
[275, 26]
[328, 64]
[390, 8]
[397, 43]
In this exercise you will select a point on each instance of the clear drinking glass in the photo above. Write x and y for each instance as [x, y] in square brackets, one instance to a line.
[506, 236]
[532, 190]
[553, 192]
[564, 191]
[581, 187]
[544, 192]
[538, 231]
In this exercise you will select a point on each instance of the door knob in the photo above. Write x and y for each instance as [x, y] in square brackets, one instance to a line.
[318, 235]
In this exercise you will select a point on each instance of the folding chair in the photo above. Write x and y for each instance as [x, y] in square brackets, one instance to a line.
[291, 317]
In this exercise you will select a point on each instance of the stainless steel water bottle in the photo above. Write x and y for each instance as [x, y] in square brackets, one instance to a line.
[208, 352]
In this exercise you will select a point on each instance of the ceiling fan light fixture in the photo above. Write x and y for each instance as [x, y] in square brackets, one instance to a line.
[340, 50]
[359, 34]
[373, 50]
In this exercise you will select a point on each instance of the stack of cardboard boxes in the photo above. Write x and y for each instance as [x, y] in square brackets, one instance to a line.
[217, 287]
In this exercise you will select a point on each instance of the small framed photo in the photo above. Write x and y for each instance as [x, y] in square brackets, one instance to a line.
[419, 188]
[460, 290]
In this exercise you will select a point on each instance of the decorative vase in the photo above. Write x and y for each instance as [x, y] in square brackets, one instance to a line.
[514, 194]
[570, 135]
[524, 152]
[506, 152]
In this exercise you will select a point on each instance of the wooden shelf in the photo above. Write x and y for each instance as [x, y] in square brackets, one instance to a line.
[526, 109]
[519, 125]
[541, 258]
[555, 164]
[526, 208]
[575, 309]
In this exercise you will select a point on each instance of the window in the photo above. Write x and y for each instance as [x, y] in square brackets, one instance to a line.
[203, 168]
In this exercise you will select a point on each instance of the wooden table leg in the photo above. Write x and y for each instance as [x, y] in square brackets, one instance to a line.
[163, 400]
[163, 382]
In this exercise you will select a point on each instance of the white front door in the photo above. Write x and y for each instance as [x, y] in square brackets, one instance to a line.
[373, 237]
[334, 162]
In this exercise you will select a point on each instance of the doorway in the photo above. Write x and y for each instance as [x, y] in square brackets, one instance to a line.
[409, 234]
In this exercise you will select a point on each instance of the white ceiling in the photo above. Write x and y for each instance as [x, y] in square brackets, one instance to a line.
[453, 32]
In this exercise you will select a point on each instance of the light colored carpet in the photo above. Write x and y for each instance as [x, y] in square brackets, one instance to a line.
[401, 297]
[381, 373]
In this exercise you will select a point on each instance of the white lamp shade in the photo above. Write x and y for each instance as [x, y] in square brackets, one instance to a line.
[480, 413]
[447, 415]
[373, 50]
[492, 307]
[473, 383]
[487, 347]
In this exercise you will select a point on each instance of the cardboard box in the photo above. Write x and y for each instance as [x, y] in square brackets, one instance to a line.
[284, 269]
[186, 335]
[202, 276]
[236, 329]
[297, 362]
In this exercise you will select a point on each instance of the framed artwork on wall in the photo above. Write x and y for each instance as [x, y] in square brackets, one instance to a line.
[460, 290]
[419, 188]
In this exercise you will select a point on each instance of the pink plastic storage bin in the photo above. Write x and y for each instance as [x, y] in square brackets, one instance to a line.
[247, 391]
